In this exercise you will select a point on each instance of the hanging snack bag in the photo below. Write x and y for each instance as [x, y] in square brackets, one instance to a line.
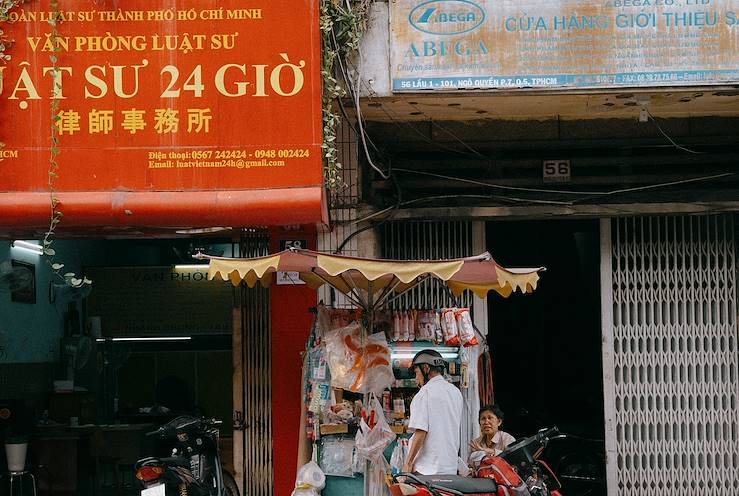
[411, 325]
[464, 325]
[438, 332]
[396, 326]
[426, 324]
[449, 326]
[404, 331]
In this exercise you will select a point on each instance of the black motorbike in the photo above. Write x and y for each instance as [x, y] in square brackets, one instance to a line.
[194, 466]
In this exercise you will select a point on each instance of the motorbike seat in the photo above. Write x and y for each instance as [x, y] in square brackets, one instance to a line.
[460, 484]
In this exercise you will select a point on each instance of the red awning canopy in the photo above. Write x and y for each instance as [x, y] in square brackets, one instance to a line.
[109, 213]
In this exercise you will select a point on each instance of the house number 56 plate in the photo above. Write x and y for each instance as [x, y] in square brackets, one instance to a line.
[556, 171]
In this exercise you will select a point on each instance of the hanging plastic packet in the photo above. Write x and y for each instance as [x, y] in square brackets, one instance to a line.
[337, 457]
[449, 326]
[411, 325]
[438, 331]
[396, 326]
[358, 460]
[465, 328]
[359, 364]
[406, 334]
[397, 459]
[426, 320]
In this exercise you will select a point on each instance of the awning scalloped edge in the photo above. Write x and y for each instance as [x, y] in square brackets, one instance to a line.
[406, 272]
[507, 284]
[249, 271]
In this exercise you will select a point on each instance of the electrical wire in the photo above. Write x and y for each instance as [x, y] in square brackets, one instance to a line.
[568, 192]
[679, 147]
[394, 208]
[493, 185]
[663, 185]
[360, 120]
[398, 123]
[460, 140]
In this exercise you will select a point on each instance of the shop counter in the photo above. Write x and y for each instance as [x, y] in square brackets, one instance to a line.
[351, 486]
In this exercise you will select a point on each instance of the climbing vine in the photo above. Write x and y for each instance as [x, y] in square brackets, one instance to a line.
[56, 214]
[342, 27]
[53, 169]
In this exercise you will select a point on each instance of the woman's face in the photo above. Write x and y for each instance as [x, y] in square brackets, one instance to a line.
[489, 423]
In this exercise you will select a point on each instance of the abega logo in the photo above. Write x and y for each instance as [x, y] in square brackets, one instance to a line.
[447, 17]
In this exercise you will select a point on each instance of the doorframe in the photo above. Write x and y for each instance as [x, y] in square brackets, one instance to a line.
[609, 364]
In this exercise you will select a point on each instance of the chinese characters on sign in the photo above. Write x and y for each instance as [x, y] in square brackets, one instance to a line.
[505, 44]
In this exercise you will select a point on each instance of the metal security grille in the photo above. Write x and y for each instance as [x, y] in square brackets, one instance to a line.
[343, 210]
[419, 240]
[256, 361]
[675, 386]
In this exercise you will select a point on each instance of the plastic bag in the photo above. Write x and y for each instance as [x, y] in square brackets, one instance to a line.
[464, 325]
[449, 326]
[337, 457]
[356, 366]
[310, 480]
[358, 461]
[397, 459]
[376, 436]
[378, 478]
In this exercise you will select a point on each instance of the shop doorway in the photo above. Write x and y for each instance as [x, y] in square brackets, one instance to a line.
[546, 347]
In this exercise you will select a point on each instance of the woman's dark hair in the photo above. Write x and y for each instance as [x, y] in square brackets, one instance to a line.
[494, 409]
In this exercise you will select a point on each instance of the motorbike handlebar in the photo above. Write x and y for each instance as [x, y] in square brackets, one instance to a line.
[173, 426]
[154, 433]
[548, 433]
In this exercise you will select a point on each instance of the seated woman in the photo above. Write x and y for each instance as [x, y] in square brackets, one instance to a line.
[492, 440]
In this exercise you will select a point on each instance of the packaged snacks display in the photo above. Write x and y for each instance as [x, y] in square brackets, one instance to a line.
[465, 328]
[449, 327]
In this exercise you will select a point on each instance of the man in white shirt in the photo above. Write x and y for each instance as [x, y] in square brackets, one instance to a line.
[436, 418]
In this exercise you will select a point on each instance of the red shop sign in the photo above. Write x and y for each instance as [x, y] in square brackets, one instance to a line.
[184, 114]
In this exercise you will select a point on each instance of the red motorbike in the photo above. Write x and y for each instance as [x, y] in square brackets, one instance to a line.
[517, 471]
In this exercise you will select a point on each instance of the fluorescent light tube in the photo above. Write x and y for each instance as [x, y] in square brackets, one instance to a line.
[25, 245]
[404, 355]
[162, 338]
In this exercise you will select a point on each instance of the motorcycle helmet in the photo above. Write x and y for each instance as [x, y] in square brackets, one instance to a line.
[429, 357]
